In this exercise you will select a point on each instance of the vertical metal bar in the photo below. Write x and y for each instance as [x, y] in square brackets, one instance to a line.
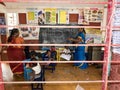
[108, 44]
[1, 78]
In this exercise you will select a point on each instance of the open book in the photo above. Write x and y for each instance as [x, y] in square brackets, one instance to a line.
[66, 56]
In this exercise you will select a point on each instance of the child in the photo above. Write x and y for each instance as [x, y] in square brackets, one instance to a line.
[66, 50]
[34, 69]
[48, 57]
[31, 69]
[53, 52]
[65, 54]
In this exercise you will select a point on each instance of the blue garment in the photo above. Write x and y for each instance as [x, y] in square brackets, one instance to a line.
[81, 34]
[46, 58]
[27, 71]
[79, 54]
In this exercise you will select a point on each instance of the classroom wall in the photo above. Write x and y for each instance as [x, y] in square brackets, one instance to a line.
[22, 8]
[2, 9]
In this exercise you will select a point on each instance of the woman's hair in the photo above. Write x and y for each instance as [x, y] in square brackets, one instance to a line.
[84, 31]
[13, 31]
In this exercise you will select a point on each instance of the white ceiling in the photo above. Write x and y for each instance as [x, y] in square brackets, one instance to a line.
[51, 3]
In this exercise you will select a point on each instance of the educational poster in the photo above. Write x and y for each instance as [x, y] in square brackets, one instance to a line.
[32, 16]
[93, 34]
[62, 16]
[93, 14]
[41, 17]
[116, 34]
[81, 19]
[50, 15]
[2, 22]
[116, 40]
[116, 21]
[73, 16]
[31, 33]
[12, 20]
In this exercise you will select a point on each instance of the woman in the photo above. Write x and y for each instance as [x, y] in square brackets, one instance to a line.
[79, 54]
[15, 53]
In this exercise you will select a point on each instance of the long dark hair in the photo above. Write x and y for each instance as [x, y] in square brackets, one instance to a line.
[84, 31]
[13, 31]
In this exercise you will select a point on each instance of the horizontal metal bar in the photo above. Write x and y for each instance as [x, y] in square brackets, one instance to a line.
[53, 82]
[113, 81]
[52, 61]
[56, 1]
[52, 44]
[50, 26]
[115, 45]
[96, 61]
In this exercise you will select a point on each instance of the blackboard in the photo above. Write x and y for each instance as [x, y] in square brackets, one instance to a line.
[57, 35]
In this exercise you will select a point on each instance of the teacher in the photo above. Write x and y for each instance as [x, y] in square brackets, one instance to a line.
[15, 53]
[79, 54]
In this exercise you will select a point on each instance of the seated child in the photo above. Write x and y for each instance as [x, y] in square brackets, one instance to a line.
[53, 52]
[48, 57]
[66, 50]
[29, 68]
[33, 54]
[66, 53]
[34, 69]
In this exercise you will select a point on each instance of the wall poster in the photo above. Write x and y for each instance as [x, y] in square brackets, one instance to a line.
[93, 14]
[116, 32]
[94, 34]
[62, 16]
[41, 17]
[81, 19]
[31, 33]
[2, 22]
[50, 15]
[32, 16]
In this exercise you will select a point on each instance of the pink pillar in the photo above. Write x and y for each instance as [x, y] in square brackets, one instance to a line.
[108, 45]
[1, 78]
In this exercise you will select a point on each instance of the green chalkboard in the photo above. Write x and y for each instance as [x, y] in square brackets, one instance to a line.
[57, 35]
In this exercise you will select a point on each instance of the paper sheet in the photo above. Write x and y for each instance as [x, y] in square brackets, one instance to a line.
[66, 56]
